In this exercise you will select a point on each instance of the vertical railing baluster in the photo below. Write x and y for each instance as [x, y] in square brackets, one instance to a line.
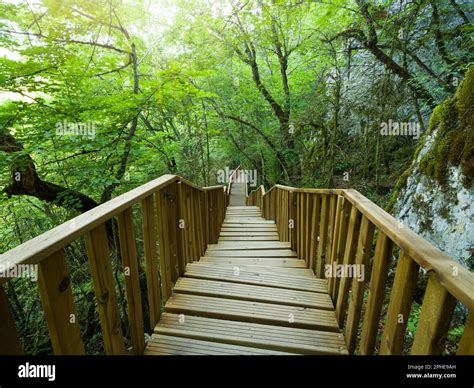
[153, 278]
[132, 279]
[104, 287]
[401, 299]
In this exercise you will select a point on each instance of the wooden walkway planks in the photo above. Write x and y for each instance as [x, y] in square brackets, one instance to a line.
[268, 262]
[256, 277]
[162, 345]
[253, 253]
[249, 294]
[253, 293]
[256, 312]
[287, 339]
[238, 191]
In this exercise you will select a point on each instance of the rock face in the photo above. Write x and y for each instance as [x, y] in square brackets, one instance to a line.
[435, 196]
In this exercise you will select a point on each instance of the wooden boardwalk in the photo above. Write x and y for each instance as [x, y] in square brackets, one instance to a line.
[238, 193]
[236, 279]
[249, 295]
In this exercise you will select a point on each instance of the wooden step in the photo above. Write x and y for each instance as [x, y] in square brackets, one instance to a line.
[242, 245]
[167, 345]
[252, 253]
[255, 312]
[294, 340]
[228, 290]
[242, 207]
[248, 234]
[255, 216]
[249, 230]
[279, 280]
[247, 238]
[248, 223]
[250, 227]
[239, 212]
[251, 213]
[272, 262]
[259, 268]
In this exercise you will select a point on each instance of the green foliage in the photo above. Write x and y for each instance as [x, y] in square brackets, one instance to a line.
[190, 87]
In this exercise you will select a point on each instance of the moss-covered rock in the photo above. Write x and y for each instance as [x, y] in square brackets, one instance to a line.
[435, 196]
[453, 122]
[452, 126]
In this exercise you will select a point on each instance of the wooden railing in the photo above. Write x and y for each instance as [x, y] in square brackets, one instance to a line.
[255, 197]
[332, 229]
[232, 177]
[178, 220]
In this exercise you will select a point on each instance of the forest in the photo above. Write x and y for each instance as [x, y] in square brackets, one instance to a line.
[98, 97]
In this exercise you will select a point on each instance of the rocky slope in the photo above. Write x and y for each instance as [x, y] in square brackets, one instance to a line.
[435, 196]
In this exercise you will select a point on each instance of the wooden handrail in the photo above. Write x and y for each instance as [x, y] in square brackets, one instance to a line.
[336, 227]
[181, 216]
[231, 179]
[254, 198]
[40, 247]
[36, 249]
[460, 285]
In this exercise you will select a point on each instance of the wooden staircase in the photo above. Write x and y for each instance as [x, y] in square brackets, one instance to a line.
[224, 278]
[249, 294]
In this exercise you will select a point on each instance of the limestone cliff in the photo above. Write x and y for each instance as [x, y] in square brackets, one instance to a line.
[435, 196]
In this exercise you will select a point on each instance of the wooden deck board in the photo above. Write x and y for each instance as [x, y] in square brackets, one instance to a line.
[278, 280]
[253, 293]
[173, 345]
[248, 234]
[255, 312]
[253, 253]
[269, 262]
[249, 294]
[257, 268]
[286, 339]
[249, 227]
[248, 238]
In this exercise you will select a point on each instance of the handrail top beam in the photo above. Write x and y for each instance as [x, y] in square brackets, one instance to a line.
[261, 187]
[305, 190]
[455, 278]
[40, 247]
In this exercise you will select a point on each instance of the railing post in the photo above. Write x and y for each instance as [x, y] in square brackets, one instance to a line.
[323, 228]
[314, 230]
[54, 287]
[349, 256]
[153, 278]
[10, 344]
[182, 228]
[307, 234]
[331, 227]
[132, 279]
[378, 280]
[466, 345]
[401, 299]
[293, 217]
[435, 318]
[167, 209]
[104, 287]
[337, 229]
[358, 285]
